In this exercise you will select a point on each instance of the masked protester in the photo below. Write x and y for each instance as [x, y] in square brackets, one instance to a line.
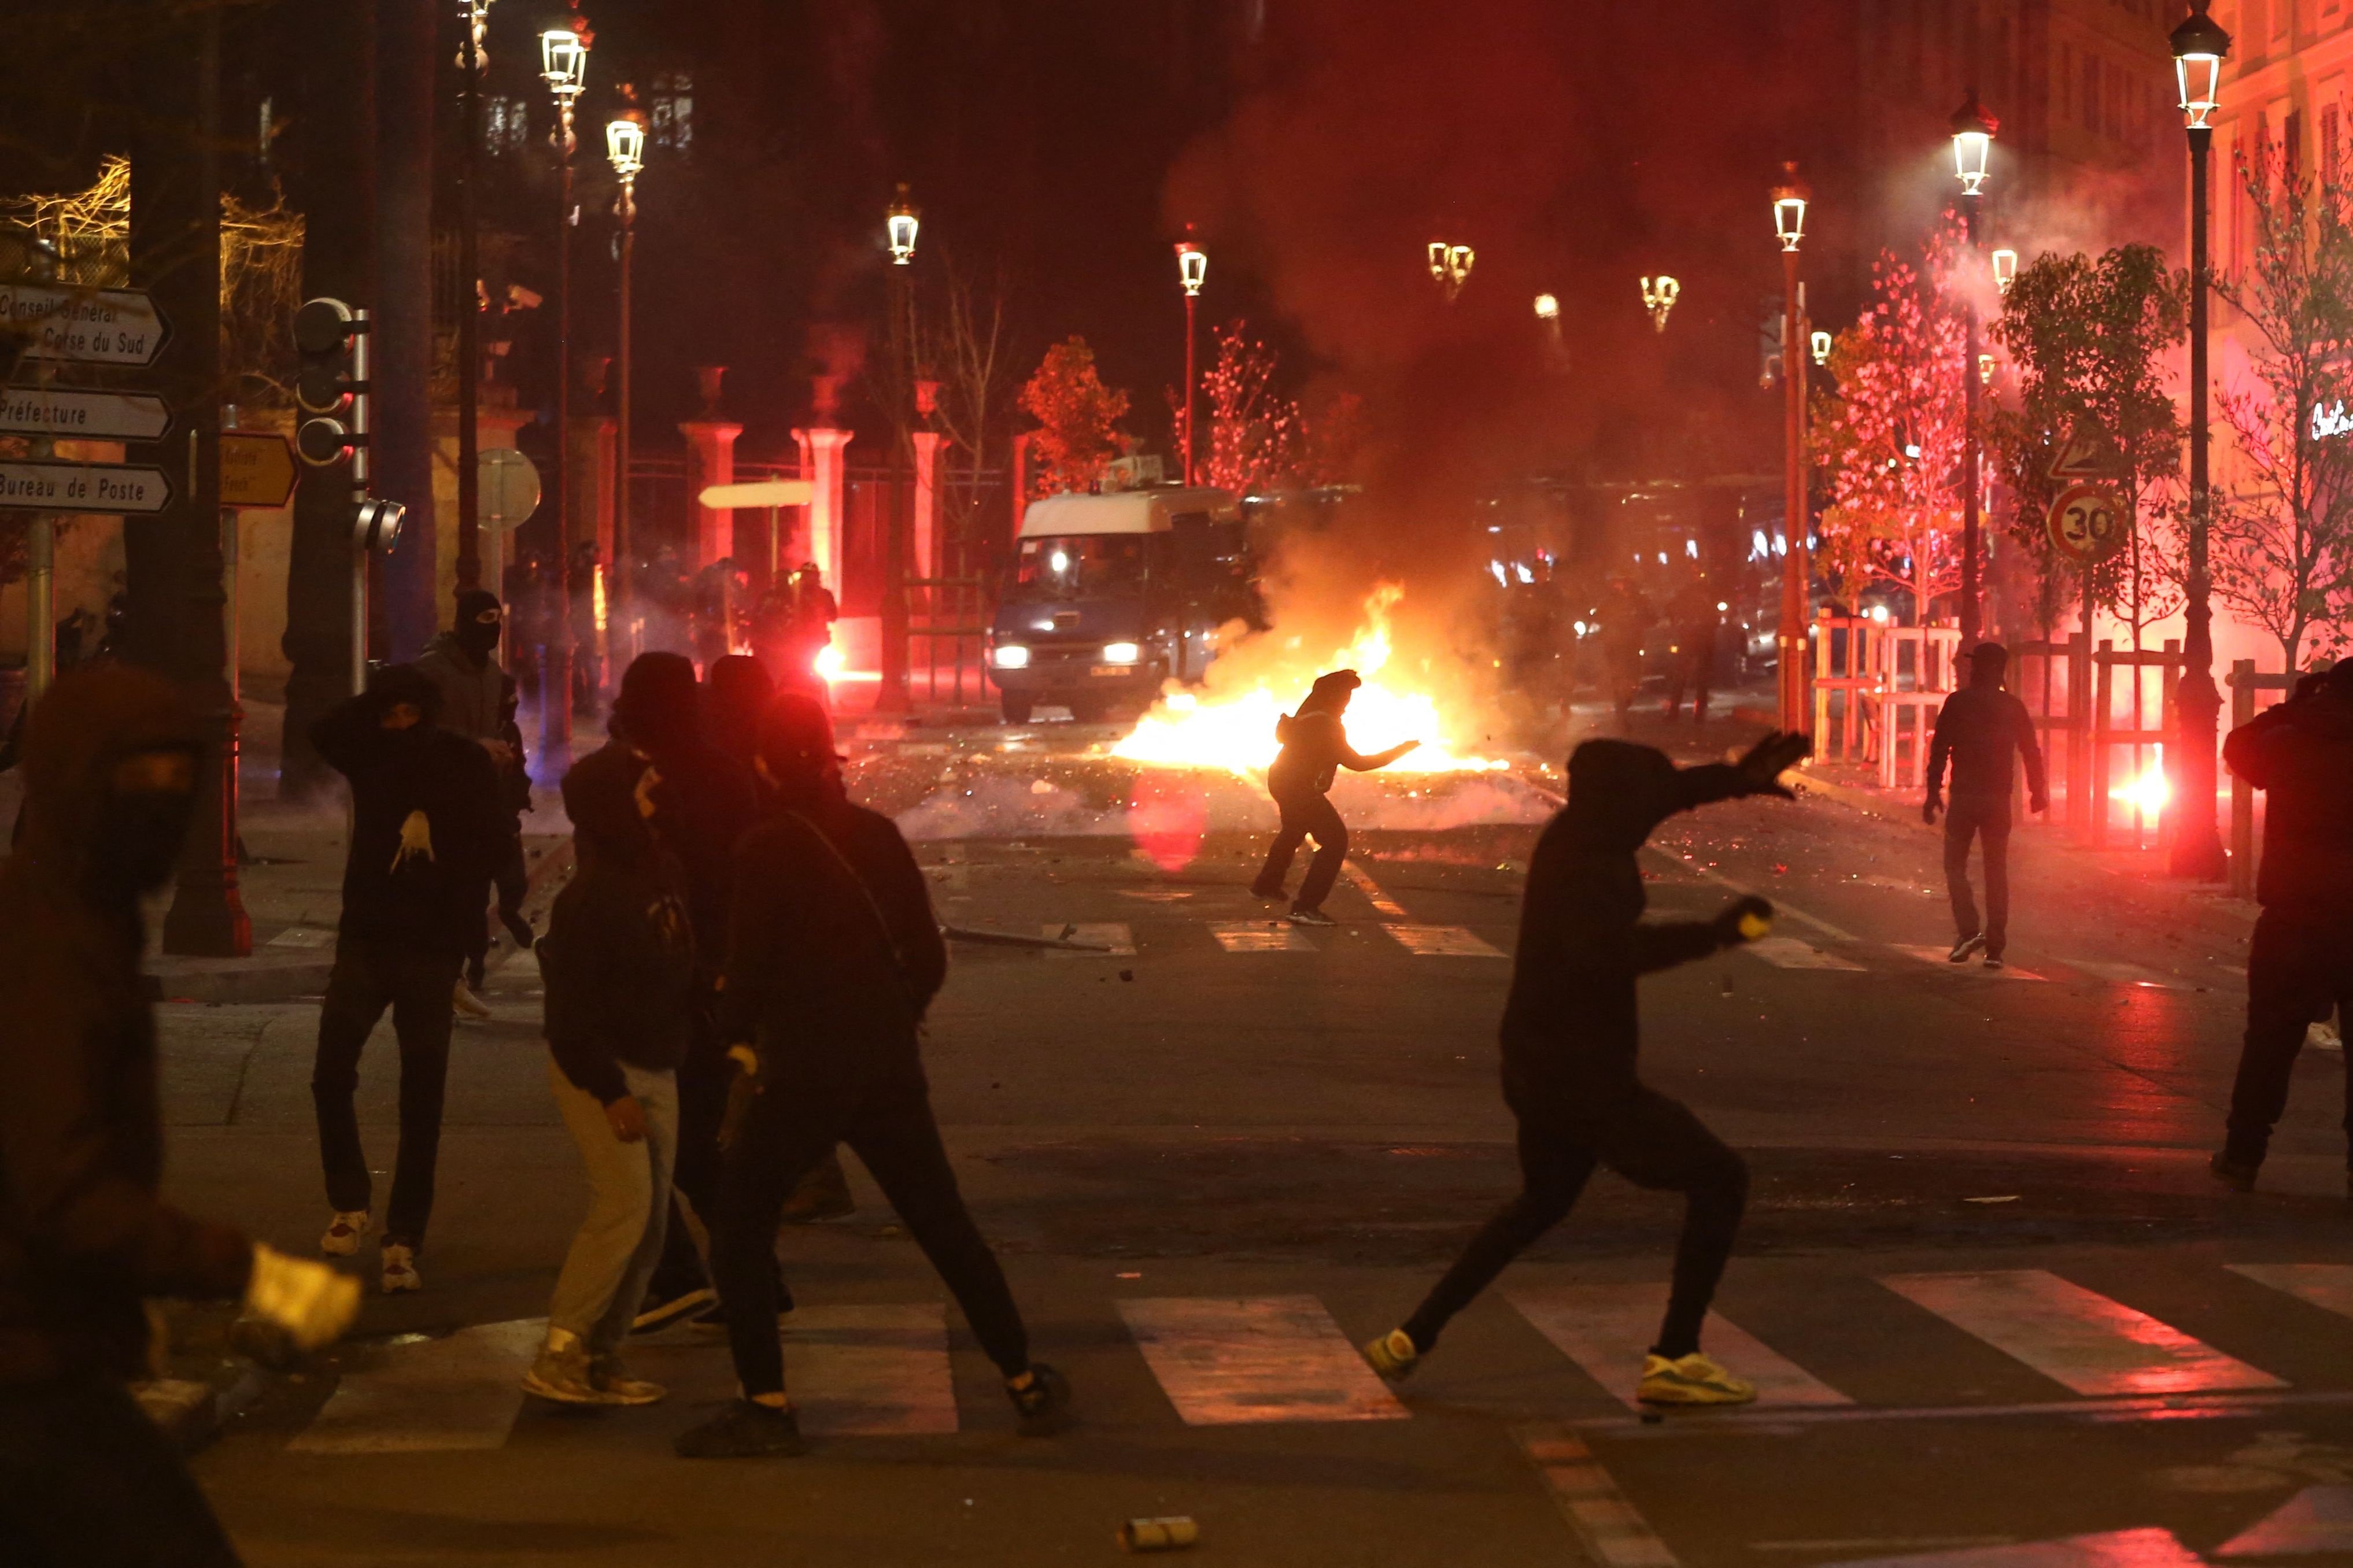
[1315, 748]
[1571, 1031]
[704, 801]
[1982, 728]
[619, 965]
[428, 827]
[2300, 754]
[85, 1476]
[809, 612]
[478, 701]
[833, 956]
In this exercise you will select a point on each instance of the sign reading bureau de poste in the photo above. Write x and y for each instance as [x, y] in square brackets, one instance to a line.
[85, 326]
[122, 490]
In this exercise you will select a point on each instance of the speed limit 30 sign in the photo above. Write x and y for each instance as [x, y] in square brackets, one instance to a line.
[2087, 524]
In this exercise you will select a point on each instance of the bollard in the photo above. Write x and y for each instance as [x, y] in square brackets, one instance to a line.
[1171, 1534]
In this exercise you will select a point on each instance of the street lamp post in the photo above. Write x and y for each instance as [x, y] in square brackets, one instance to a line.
[1790, 197]
[473, 17]
[564, 64]
[903, 222]
[2200, 47]
[1973, 133]
[1192, 270]
[625, 145]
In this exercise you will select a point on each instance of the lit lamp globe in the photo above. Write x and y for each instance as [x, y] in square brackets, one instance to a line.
[903, 221]
[2200, 47]
[564, 63]
[1973, 133]
[1192, 266]
[1790, 196]
[625, 143]
[2005, 269]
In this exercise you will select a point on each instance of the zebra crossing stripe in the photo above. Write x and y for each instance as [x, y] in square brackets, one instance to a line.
[459, 1391]
[2316, 1520]
[2128, 974]
[870, 1371]
[1443, 942]
[1788, 952]
[1613, 1529]
[2116, 1549]
[2327, 1285]
[2076, 1337]
[1269, 1358]
[1608, 1329]
[1363, 882]
[1260, 936]
[1939, 956]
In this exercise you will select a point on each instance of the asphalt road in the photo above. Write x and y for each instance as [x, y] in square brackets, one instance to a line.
[1994, 1296]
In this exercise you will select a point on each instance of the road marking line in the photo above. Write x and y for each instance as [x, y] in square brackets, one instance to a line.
[1837, 933]
[1882, 1542]
[1613, 1531]
[1788, 952]
[1269, 1358]
[870, 1371]
[1113, 936]
[2128, 974]
[1608, 1329]
[2327, 1285]
[2075, 1337]
[1443, 942]
[2102, 1412]
[1382, 903]
[1260, 936]
[459, 1391]
[1941, 956]
[2316, 1520]
[2116, 1549]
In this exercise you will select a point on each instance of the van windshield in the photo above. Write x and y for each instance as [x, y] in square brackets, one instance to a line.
[1084, 565]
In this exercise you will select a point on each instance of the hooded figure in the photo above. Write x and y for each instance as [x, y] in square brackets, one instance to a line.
[1982, 728]
[1571, 1031]
[478, 701]
[833, 957]
[1315, 749]
[737, 700]
[110, 756]
[2300, 963]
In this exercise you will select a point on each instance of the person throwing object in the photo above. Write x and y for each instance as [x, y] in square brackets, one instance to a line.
[1570, 1032]
[1979, 729]
[1315, 748]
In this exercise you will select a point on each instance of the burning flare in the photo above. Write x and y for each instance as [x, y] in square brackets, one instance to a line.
[1234, 730]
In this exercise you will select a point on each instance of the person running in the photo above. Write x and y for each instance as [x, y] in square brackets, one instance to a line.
[1571, 1030]
[86, 1476]
[1315, 748]
[618, 961]
[2300, 754]
[428, 829]
[1980, 728]
[833, 956]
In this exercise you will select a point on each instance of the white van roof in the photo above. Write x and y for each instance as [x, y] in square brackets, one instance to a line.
[1124, 511]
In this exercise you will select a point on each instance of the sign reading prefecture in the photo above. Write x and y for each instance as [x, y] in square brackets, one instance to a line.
[85, 326]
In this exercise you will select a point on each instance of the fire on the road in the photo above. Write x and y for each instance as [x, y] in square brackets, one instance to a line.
[1234, 728]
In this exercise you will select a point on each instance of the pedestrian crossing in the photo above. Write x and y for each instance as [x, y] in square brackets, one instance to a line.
[885, 1370]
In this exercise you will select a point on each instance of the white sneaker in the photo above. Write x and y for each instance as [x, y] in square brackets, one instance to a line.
[400, 1268]
[463, 1000]
[343, 1233]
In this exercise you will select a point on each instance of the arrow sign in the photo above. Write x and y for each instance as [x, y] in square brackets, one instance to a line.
[2087, 456]
[87, 326]
[83, 415]
[128, 490]
[257, 470]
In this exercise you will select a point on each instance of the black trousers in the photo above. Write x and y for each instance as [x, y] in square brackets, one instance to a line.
[87, 1479]
[1693, 666]
[1651, 1141]
[1307, 814]
[2297, 968]
[1989, 821]
[889, 1127]
[367, 978]
[511, 883]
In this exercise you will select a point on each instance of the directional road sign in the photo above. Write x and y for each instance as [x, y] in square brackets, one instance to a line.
[68, 414]
[257, 470]
[129, 490]
[89, 326]
[2087, 525]
[765, 492]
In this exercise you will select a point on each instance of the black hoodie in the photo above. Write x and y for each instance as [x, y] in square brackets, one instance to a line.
[2300, 754]
[83, 1233]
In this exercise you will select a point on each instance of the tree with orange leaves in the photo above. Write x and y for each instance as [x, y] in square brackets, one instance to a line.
[1078, 418]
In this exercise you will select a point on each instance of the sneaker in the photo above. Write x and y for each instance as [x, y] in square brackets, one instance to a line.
[1312, 918]
[561, 1374]
[1690, 1379]
[463, 1000]
[1266, 890]
[609, 1378]
[2237, 1175]
[1993, 960]
[745, 1430]
[343, 1233]
[518, 928]
[1044, 1401]
[400, 1268]
[1964, 948]
[655, 1316]
[822, 1195]
[1393, 1355]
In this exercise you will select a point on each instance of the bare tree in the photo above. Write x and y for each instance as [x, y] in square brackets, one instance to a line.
[964, 344]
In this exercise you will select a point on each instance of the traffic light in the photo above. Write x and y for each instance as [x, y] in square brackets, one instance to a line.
[331, 385]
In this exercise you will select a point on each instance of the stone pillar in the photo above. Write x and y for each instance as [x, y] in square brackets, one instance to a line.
[590, 483]
[823, 463]
[712, 443]
[928, 553]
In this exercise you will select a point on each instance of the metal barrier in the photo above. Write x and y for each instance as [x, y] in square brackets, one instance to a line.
[2074, 655]
[2246, 689]
[2106, 735]
[952, 610]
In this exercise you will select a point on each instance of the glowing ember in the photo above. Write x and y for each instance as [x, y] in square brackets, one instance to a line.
[1234, 729]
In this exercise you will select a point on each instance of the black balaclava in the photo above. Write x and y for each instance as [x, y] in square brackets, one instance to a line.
[735, 699]
[140, 831]
[600, 797]
[478, 624]
[659, 708]
[1989, 662]
[796, 753]
[1330, 691]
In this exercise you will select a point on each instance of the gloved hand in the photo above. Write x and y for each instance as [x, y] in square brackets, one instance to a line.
[1761, 769]
[310, 1302]
[2040, 801]
[1744, 920]
[1930, 807]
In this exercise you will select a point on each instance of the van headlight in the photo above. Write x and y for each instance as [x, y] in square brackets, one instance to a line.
[1121, 653]
[1009, 656]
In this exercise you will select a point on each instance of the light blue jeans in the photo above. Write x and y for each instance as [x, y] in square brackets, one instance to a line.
[613, 1256]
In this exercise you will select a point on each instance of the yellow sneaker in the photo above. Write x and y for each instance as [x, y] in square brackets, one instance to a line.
[1693, 1380]
[1393, 1355]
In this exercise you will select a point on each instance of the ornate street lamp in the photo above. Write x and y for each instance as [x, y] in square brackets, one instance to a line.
[1973, 133]
[1790, 196]
[1822, 346]
[903, 220]
[2005, 269]
[1192, 271]
[473, 24]
[625, 147]
[1659, 297]
[2200, 47]
[1548, 307]
[1450, 267]
[564, 66]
